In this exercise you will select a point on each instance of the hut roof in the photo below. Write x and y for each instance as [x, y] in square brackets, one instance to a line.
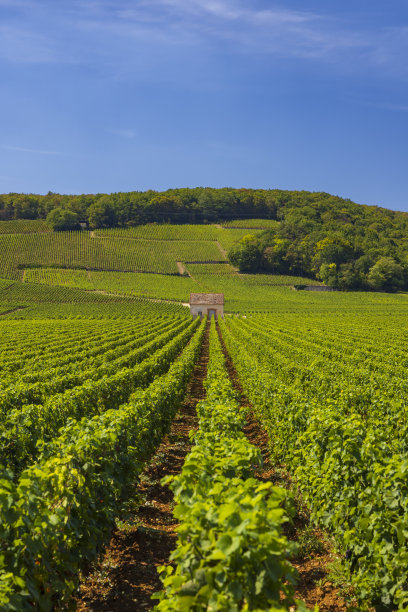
[206, 298]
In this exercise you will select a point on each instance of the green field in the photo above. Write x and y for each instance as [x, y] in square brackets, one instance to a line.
[96, 353]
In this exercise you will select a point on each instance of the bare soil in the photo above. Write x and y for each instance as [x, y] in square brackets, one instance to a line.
[182, 270]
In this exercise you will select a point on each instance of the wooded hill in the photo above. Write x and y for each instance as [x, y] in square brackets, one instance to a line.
[347, 245]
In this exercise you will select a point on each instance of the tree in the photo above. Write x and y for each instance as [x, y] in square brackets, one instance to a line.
[274, 256]
[102, 213]
[167, 208]
[332, 249]
[349, 278]
[328, 274]
[61, 220]
[386, 275]
[246, 254]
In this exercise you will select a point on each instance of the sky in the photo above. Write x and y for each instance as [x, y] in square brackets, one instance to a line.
[123, 95]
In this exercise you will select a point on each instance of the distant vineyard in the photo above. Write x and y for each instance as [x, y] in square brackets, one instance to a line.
[163, 232]
[24, 226]
[26, 300]
[252, 223]
[242, 291]
[227, 237]
[80, 250]
[246, 292]
[126, 283]
[220, 268]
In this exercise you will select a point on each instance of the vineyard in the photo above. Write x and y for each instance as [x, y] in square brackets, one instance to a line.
[155, 249]
[98, 352]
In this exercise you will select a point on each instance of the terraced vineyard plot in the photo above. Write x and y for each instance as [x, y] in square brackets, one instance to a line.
[30, 300]
[59, 277]
[144, 285]
[154, 256]
[270, 280]
[245, 292]
[220, 268]
[36, 293]
[241, 290]
[252, 223]
[228, 237]
[163, 232]
[80, 250]
[24, 226]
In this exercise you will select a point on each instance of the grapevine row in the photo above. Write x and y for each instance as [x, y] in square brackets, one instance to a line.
[347, 449]
[24, 427]
[17, 393]
[60, 511]
[231, 552]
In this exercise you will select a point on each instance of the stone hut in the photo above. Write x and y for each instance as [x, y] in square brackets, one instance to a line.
[211, 304]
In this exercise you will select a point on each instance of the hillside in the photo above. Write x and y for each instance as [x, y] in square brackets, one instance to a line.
[165, 262]
[103, 373]
[155, 262]
[316, 235]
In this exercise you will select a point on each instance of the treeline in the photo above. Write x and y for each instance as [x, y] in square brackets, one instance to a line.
[345, 245]
[198, 205]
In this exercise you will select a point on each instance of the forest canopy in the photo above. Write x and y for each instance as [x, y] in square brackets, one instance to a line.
[352, 247]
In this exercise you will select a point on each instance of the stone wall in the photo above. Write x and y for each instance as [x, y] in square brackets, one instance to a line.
[202, 310]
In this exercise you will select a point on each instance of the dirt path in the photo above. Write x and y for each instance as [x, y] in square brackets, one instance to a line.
[313, 564]
[130, 296]
[222, 250]
[181, 268]
[3, 314]
[126, 577]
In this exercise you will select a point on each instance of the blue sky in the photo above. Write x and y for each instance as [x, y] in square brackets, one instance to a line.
[119, 95]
